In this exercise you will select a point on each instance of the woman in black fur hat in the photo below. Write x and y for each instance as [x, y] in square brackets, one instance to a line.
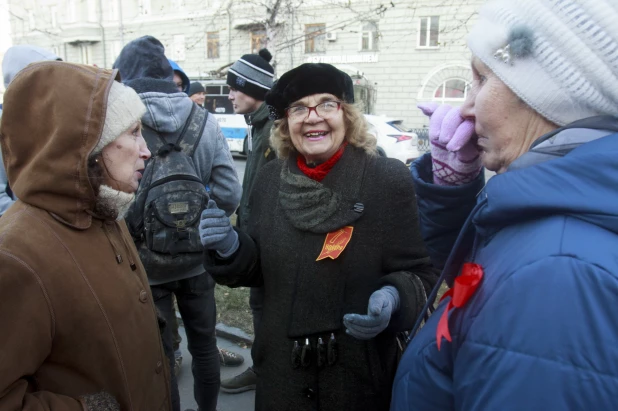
[334, 238]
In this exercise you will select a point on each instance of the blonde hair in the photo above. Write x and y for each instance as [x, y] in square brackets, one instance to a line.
[356, 133]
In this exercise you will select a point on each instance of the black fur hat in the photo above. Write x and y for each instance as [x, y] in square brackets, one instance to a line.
[305, 80]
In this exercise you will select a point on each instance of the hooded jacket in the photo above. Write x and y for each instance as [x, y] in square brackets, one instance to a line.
[257, 157]
[540, 331]
[144, 68]
[15, 59]
[186, 83]
[76, 307]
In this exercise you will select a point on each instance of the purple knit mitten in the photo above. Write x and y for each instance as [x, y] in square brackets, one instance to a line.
[455, 157]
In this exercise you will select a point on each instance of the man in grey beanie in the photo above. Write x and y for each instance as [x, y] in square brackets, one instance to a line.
[250, 78]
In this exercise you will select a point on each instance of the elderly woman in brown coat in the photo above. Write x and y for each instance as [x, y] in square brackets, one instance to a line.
[79, 327]
[333, 237]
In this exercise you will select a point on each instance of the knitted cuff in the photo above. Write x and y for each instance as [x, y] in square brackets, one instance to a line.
[393, 295]
[233, 241]
[101, 401]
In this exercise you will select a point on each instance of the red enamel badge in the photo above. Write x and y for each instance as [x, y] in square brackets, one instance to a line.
[335, 243]
[464, 288]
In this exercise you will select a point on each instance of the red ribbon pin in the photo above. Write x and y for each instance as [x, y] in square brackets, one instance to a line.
[464, 288]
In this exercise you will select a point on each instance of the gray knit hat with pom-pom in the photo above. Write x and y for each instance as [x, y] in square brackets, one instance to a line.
[252, 74]
[559, 56]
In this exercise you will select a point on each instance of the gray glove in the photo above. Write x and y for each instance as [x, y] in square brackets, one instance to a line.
[216, 232]
[382, 304]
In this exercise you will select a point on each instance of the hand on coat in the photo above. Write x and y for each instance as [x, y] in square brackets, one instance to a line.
[382, 304]
[455, 156]
[216, 232]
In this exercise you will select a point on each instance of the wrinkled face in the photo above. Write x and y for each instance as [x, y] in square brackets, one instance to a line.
[124, 159]
[199, 98]
[314, 137]
[178, 81]
[242, 103]
[505, 125]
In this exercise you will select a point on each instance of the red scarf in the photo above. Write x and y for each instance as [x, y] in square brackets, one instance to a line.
[320, 171]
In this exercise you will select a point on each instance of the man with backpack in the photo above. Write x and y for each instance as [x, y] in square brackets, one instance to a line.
[188, 152]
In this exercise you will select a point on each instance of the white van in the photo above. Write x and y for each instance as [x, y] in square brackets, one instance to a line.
[233, 126]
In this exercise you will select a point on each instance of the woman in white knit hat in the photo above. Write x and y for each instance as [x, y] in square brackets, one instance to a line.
[80, 328]
[529, 321]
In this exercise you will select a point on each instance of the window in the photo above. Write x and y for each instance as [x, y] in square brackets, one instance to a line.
[217, 101]
[178, 48]
[53, 14]
[315, 38]
[113, 13]
[71, 11]
[258, 40]
[92, 11]
[143, 7]
[369, 36]
[428, 32]
[86, 54]
[31, 20]
[452, 90]
[212, 45]
[116, 48]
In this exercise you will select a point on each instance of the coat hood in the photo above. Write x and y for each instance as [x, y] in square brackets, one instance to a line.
[166, 113]
[49, 127]
[143, 65]
[186, 83]
[579, 181]
[17, 58]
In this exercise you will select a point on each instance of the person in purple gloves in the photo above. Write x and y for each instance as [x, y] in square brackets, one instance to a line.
[528, 322]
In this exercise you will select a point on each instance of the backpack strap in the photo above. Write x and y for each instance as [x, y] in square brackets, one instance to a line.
[194, 128]
[154, 140]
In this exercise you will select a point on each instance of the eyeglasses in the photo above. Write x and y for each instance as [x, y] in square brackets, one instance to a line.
[324, 110]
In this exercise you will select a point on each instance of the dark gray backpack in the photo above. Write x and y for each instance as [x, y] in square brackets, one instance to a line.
[165, 217]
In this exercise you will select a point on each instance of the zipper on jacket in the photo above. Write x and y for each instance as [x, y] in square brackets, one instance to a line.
[108, 231]
[172, 178]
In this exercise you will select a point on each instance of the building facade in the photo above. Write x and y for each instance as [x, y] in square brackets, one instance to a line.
[407, 50]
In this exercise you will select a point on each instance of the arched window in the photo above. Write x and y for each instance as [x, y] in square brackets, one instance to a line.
[451, 91]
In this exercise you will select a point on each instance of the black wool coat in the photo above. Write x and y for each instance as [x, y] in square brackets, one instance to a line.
[306, 299]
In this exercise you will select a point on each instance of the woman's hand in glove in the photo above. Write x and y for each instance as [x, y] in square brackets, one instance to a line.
[216, 232]
[455, 156]
[382, 304]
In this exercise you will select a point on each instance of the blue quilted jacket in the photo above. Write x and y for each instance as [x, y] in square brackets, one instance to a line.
[541, 331]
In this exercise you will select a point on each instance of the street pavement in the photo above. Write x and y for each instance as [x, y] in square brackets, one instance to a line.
[227, 402]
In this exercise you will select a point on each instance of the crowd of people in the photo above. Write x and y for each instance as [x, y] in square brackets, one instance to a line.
[117, 199]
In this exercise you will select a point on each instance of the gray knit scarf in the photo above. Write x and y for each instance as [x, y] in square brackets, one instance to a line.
[311, 206]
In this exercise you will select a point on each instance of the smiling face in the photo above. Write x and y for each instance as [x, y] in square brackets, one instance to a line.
[124, 159]
[314, 137]
[242, 103]
[505, 125]
[199, 98]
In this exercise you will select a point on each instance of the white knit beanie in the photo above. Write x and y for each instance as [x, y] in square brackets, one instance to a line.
[124, 107]
[559, 56]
